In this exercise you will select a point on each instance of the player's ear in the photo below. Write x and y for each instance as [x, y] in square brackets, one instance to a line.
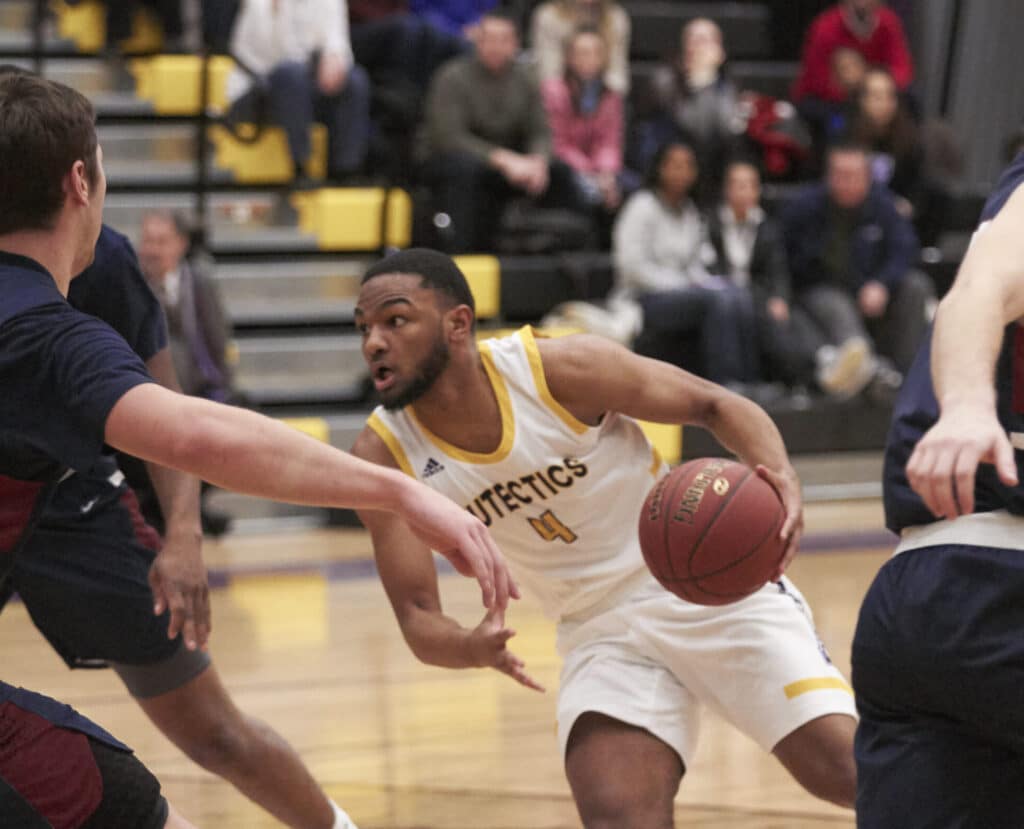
[459, 322]
[76, 183]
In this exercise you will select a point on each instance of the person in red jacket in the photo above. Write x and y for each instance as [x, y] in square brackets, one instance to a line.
[863, 25]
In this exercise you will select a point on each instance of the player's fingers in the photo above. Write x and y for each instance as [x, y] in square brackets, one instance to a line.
[176, 605]
[477, 556]
[505, 585]
[964, 470]
[790, 499]
[202, 615]
[1005, 461]
[526, 680]
[941, 478]
[159, 596]
[919, 474]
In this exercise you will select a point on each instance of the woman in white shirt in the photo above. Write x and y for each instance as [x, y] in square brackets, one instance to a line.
[659, 249]
[300, 52]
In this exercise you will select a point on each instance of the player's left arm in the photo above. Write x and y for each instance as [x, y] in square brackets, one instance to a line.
[590, 376]
[178, 575]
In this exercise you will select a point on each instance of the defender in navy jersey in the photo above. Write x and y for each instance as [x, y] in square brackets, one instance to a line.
[938, 655]
[71, 385]
[536, 437]
[93, 570]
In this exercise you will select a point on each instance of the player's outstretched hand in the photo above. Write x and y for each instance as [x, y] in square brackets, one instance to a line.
[942, 468]
[787, 486]
[178, 580]
[488, 643]
[462, 539]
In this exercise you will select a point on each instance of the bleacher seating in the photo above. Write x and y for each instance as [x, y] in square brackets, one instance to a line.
[290, 276]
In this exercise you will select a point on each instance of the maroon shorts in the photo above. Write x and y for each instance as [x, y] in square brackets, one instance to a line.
[71, 778]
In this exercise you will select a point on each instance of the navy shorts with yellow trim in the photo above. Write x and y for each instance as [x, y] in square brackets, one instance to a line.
[938, 671]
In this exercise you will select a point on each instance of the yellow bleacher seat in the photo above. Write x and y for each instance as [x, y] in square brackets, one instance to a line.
[171, 82]
[315, 427]
[350, 218]
[483, 273]
[85, 23]
[266, 160]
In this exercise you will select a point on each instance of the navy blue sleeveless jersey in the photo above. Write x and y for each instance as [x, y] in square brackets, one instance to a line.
[917, 410]
[61, 372]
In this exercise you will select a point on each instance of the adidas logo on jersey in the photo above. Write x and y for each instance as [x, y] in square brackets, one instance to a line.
[432, 468]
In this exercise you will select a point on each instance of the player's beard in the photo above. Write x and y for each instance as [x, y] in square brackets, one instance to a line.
[427, 372]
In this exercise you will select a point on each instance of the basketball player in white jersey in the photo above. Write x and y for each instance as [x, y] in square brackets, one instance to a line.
[536, 438]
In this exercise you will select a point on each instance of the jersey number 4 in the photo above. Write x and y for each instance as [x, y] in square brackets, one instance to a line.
[550, 528]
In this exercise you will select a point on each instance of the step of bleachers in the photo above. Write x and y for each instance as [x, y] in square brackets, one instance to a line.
[746, 28]
[291, 293]
[310, 369]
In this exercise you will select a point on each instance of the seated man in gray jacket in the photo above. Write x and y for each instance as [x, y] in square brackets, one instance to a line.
[487, 139]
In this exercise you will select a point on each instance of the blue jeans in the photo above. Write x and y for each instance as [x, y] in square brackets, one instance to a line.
[720, 321]
[295, 102]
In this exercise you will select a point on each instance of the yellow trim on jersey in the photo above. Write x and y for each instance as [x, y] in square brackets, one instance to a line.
[818, 683]
[656, 460]
[508, 421]
[526, 335]
[392, 443]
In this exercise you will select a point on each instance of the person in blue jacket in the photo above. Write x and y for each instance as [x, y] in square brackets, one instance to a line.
[852, 257]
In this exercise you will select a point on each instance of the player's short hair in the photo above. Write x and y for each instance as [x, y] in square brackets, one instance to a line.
[45, 127]
[436, 271]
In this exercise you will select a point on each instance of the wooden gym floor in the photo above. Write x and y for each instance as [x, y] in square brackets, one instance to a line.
[305, 640]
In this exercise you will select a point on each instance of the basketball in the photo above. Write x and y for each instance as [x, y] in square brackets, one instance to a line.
[709, 531]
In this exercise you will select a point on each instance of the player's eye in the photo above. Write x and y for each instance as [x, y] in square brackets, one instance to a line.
[398, 321]
[363, 328]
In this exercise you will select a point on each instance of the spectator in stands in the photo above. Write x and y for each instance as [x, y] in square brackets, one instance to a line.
[900, 158]
[749, 252]
[554, 22]
[397, 47]
[198, 328]
[852, 256]
[457, 17]
[865, 26]
[659, 253]
[586, 119]
[487, 139]
[300, 53]
[121, 16]
[693, 97]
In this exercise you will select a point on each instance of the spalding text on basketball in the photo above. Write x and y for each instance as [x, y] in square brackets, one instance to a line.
[690, 501]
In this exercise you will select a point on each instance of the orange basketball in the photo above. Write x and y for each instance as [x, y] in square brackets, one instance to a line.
[709, 531]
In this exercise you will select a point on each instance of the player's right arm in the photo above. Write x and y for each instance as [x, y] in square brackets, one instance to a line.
[969, 327]
[249, 453]
[406, 568]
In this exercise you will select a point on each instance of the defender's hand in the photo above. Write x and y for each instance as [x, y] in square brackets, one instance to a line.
[943, 466]
[178, 580]
[488, 644]
[462, 539]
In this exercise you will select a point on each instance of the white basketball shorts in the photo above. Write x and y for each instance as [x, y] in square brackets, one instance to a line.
[653, 660]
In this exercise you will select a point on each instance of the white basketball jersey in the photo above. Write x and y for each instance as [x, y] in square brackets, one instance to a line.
[562, 499]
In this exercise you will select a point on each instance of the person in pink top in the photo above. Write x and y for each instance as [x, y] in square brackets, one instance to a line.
[865, 26]
[586, 118]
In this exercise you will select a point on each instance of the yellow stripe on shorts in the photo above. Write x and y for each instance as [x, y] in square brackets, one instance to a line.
[818, 683]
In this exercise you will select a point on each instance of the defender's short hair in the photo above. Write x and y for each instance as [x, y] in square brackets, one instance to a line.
[45, 128]
[436, 271]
